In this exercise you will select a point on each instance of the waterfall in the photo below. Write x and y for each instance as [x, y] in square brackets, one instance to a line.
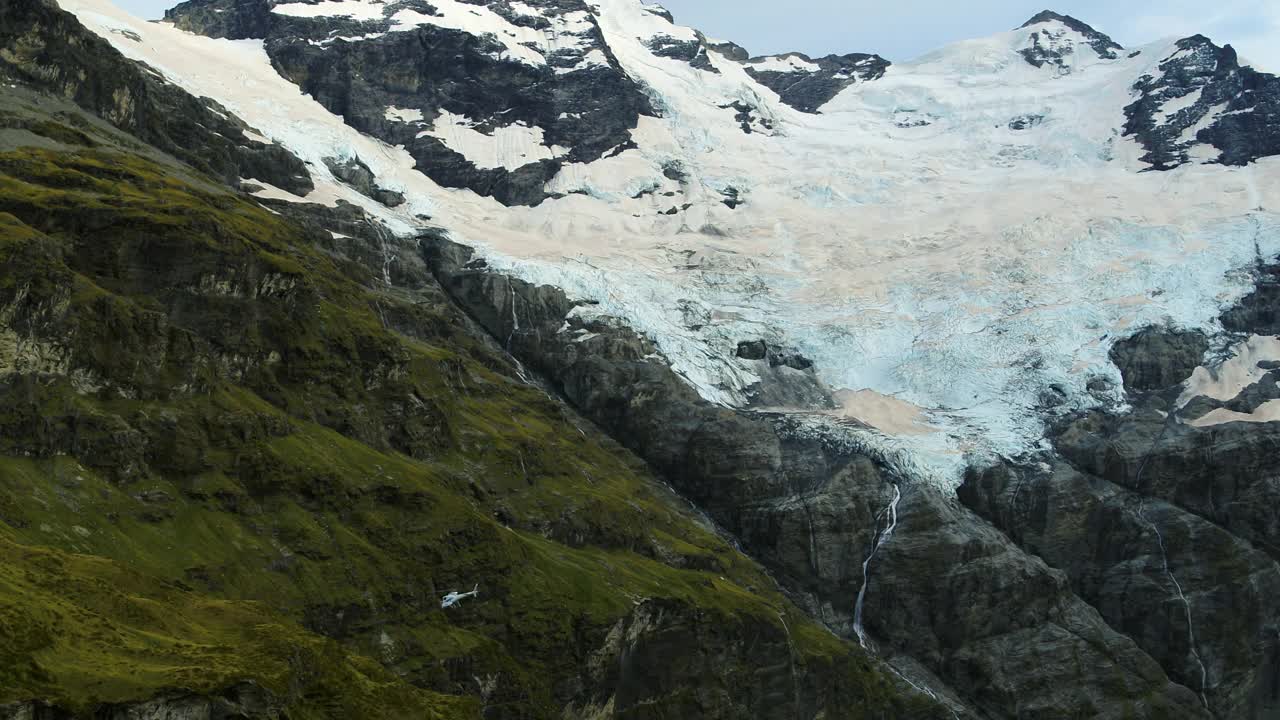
[1182, 597]
[515, 319]
[883, 538]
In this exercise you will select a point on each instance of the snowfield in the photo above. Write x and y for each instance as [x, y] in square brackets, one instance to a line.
[950, 276]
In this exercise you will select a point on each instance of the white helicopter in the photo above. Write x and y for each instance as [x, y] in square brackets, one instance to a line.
[456, 597]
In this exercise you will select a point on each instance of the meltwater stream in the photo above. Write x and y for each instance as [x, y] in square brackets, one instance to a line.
[1168, 571]
[880, 541]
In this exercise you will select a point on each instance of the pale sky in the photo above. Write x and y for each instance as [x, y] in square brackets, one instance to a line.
[903, 29]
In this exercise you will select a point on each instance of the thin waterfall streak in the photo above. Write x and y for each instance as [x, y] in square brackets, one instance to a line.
[924, 689]
[883, 538]
[791, 650]
[1182, 596]
[1164, 559]
[515, 318]
[387, 258]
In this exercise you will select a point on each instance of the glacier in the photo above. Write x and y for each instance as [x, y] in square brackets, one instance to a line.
[960, 241]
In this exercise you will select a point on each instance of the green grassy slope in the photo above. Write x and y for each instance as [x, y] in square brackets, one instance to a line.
[216, 460]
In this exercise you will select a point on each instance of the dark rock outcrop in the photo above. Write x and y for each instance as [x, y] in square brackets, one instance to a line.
[1156, 358]
[1026, 122]
[1235, 110]
[731, 50]
[355, 173]
[749, 119]
[956, 594]
[1193, 596]
[808, 90]
[787, 377]
[1259, 311]
[693, 52]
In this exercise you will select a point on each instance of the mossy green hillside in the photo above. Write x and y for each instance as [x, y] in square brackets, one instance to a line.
[195, 392]
[81, 631]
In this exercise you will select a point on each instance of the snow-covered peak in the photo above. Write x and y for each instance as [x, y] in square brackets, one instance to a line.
[1060, 41]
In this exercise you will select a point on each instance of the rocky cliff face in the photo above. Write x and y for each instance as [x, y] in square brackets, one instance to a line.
[1162, 518]
[1202, 105]
[957, 601]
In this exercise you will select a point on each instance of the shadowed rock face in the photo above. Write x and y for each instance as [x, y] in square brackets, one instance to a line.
[1236, 109]
[1005, 627]
[356, 174]
[693, 52]
[1155, 358]
[1135, 558]
[986, 622]
[1168, 529]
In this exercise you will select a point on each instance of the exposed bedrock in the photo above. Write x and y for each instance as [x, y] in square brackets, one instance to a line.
[1045, 48]
[1224, 108]
[1195, 597]
[1168, 527]
[999, 627]
[246, 701]
[356, 174]
[1155, 358]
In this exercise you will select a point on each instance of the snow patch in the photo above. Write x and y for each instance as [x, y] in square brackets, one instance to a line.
[1171, 108]
[354, 9]
[567, 31]
[507, 146]
[403, 115]
[785, 64]
[1229, 379]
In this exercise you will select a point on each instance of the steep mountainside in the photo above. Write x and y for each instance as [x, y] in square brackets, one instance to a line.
[735, 386]
[240, 471]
